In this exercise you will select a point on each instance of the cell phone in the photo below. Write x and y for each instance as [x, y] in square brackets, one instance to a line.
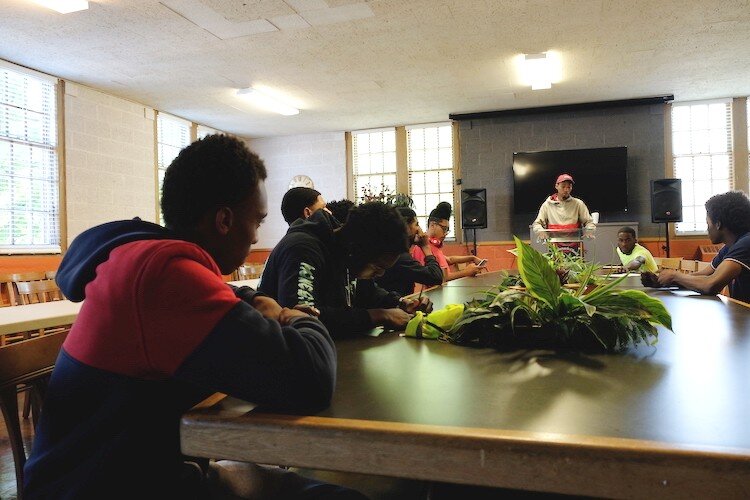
[482, 263]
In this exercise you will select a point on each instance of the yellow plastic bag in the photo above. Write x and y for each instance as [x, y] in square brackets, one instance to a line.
[430, 326]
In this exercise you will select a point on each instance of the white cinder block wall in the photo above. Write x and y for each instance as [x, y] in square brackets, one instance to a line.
[110, 172]
[109, 161]
[322, 157]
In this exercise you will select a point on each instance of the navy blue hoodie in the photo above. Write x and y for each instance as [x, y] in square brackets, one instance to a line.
[159, 330]
[308, 266]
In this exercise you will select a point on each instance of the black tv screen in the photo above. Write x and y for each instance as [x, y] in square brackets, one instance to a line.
[600, 177]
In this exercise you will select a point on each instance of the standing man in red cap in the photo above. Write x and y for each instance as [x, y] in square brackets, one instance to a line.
[561, 212]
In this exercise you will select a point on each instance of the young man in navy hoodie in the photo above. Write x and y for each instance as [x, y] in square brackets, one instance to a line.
[160, 330]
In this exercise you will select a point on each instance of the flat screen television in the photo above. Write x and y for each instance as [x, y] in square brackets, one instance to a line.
[600, 176]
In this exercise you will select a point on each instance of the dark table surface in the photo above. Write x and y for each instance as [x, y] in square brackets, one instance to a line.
[664, 420]
[691, 388]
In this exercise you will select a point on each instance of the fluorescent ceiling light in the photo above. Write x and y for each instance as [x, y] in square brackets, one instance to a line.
[537, 71]
[64, 6]
[267, 102]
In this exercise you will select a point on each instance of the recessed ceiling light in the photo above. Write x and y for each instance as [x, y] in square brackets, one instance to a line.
[537, 70]
[64, 6]
[267, 102]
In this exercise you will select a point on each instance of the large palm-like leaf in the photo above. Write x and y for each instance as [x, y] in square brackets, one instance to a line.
[607, 317]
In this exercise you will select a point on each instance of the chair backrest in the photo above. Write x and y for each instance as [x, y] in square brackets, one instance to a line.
[28, 362]
[688, 266]
[14, 278]
[30, 292]
[668, 262]
[250, 270]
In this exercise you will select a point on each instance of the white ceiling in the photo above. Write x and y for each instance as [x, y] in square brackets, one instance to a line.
[353, 64]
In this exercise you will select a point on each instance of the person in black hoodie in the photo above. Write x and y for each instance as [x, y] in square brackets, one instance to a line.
[406, 271]
[330, 267]
[159, 331]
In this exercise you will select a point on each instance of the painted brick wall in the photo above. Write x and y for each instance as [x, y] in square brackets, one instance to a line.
[322, 157]
[109, 171]
[487, 148]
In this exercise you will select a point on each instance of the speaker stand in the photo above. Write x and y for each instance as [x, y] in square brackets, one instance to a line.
[667, 236]
[474, 251]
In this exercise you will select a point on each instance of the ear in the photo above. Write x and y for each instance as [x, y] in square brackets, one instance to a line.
[223, 220]
[307, 212]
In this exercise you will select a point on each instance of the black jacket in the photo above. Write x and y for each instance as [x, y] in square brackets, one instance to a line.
[407, 271]
[308, 266]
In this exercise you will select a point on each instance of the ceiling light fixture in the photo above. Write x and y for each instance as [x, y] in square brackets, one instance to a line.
[537, 71]
[267, 102]
[64, 6]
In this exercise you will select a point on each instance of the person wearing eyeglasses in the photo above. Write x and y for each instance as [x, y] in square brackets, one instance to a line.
[438, 228]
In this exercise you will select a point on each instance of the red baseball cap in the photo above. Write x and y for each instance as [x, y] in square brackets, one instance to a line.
[564, 177]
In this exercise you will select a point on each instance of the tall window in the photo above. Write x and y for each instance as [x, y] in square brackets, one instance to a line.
[702, 157]
[430, 165]
[29, 175]
[173, 134]
[374, 162]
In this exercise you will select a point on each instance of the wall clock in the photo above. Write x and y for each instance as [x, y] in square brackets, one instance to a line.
[301, 181]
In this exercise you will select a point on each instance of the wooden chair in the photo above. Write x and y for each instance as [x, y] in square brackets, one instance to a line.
[14, 278]
[26, 364]
[31, 292]
[668, 262]
[250, 270]
[688, 266]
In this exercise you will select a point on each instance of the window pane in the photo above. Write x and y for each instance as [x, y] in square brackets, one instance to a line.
[29, 198]
[432, 182]
[417, 184]
[702, 155]
[172, 136]
[719, 141]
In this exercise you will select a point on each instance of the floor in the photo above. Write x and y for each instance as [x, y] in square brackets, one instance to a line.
[7, 470]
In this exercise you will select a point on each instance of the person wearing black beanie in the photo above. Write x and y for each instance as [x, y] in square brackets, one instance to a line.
[438, 227]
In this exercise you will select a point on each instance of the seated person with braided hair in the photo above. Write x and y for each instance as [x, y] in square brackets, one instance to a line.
[330, 267]
[406, 271]
[728, 220]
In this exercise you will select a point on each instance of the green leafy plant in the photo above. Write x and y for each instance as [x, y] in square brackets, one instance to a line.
[546, 314]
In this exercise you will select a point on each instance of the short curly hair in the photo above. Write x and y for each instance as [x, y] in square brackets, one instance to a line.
[340, 209]
[732, 209]
[215, 171]
[373, 230]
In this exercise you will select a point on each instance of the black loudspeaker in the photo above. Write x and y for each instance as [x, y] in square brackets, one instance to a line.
[666, 200]
[474, 208]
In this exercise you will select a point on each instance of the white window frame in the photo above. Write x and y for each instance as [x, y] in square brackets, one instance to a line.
[49, 214]
[165, 149]
[402, 168]
[362, 177]
[704, 155]
[440, 195]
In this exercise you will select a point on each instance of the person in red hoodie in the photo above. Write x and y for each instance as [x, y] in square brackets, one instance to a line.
[160, 330]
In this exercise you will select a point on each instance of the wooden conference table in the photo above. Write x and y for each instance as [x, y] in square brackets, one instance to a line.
[670, 420]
